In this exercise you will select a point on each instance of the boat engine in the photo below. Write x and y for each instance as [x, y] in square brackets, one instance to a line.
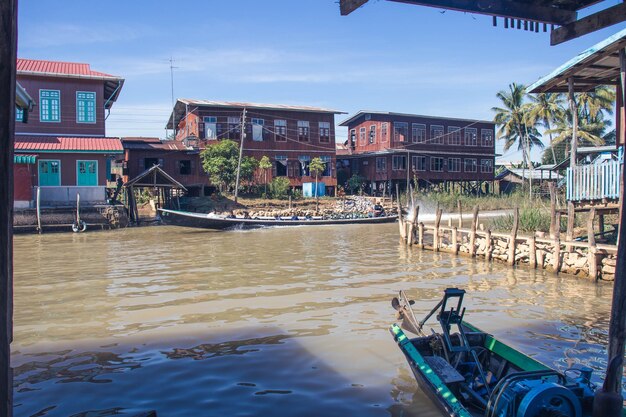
[542, 394]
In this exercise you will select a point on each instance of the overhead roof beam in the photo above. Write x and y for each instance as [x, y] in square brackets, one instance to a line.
[602, 19]
[503, 8]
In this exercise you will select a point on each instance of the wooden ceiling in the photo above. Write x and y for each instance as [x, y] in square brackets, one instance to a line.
[527, 14]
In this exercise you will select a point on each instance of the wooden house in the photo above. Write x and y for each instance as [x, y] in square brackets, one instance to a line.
[179, 161]
[63, 149]
[291, 136]
[393, 148]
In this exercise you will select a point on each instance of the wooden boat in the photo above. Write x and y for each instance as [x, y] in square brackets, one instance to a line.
[211, 221]
[470, 373]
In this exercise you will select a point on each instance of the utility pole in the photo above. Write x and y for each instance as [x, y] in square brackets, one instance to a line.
[173, 101]
[243, 136]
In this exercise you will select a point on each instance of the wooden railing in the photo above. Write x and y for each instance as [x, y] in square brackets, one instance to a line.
[594, 182]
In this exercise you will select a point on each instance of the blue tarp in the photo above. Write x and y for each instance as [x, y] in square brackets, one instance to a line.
[308, 189]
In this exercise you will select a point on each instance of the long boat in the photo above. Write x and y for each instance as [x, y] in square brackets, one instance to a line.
[212, 221]
[470, 373]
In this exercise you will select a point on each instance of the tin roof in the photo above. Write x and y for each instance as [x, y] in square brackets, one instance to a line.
[38, 67]
[153, 144]
[68, 144]
[181, 103]
[598, 65]
[386, 113]
[537, 174]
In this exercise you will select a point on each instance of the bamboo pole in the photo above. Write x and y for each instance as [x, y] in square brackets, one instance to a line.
[411, 233]
[532, 251]
[488, 245]
[556, 262]
[401, 224]
[420, 235]
[458, 205]
[513, 237]
[472, 249]
[571, 217]
[455, 241]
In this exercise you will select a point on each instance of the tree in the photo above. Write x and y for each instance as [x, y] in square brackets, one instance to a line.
[355, 182]
[316, 167]
[589, 132]
[265, 164]
[279, 187]
[220, 162]
[547, 108]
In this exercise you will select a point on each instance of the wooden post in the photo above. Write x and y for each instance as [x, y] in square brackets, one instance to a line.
[412, 223]
[458, 205]
[556, 262]
[420, 235]
[513, 237]
[472, 248]
[532, 251]
[591, 253]
[455, 241]
[571, 217]
[574, 112]
[401, 224]
[553, 218]
[38, 202]
[488, 245]
[436, 231]
[8, 58]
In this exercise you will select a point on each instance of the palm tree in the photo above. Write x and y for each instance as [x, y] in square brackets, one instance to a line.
[589, 132]
[547, 108]
[516, 127]
[596, 102]
[316, 167]
[265, 164]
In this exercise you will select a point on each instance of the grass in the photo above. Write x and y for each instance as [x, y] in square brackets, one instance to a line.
[448, 201]
[530, 220]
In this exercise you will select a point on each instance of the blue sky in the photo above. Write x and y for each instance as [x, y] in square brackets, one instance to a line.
[386, 56]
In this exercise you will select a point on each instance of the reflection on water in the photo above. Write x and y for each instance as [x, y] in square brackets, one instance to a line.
[280, 321]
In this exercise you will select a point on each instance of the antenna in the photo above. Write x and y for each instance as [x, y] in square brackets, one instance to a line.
[172, 67]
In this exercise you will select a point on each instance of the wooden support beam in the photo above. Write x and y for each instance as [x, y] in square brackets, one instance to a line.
[596, 21]
[348, 6]
[504, 8]
[8, 58]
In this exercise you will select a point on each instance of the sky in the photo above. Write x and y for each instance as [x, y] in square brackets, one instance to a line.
[386, 56]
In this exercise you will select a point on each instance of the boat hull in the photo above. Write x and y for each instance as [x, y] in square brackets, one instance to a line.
[206, 221]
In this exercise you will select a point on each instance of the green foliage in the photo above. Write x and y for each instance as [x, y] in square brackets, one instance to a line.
[220, 162]
[265, 162]
[279, 187]
[355, 183]
[530, 220]
[316, 167]
[448, 201]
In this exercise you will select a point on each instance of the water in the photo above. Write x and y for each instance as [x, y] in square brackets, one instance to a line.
[272, 322]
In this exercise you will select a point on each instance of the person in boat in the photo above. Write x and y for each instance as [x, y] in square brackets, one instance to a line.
[294, 217]
[378, 210]
[230, 215]
[246, 215]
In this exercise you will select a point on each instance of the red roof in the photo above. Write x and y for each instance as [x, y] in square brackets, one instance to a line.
[67, 144]
[58, 68]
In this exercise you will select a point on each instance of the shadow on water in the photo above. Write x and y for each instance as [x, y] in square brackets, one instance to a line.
[270, 374]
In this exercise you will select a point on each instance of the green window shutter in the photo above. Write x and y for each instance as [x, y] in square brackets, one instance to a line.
[49, 105]
[19, 115]
[85, 107]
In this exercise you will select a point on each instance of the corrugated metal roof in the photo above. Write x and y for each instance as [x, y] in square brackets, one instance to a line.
[237, 104]
[386, 113]
[44, 67]
[24, 159]
[537, 174]
[68, 144]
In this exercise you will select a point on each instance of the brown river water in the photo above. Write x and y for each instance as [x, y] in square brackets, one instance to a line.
[268, 322]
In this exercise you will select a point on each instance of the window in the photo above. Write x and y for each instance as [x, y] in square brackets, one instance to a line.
[372, 135]
[362, 136]
[49, 105]
[419, 133]
[383, 132]
[257, 129]
[486, 165]
[280, 130]
[454, 135]
[400, 131]
[436, 134]
[85, 107]
[419, 163]
[470, 165]
[305, 161]
[324, 132]
[184, 167]
[280, 166]
[381, 164]
[327, 166]
[150, 162]
[19, 114]
[303, 130]
[436, 164]
[210, 127]
[486, 137]
[398, 162]
[234, 128]
[454, 165]
[470, 137]
[352, 138]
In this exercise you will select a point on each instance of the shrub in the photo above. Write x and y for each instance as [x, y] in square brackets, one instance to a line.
[530, 220]
[279, 187]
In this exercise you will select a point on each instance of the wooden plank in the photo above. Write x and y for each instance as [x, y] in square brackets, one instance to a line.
[596, 21]
[8, 57]
[348, 6]
[504, 8]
